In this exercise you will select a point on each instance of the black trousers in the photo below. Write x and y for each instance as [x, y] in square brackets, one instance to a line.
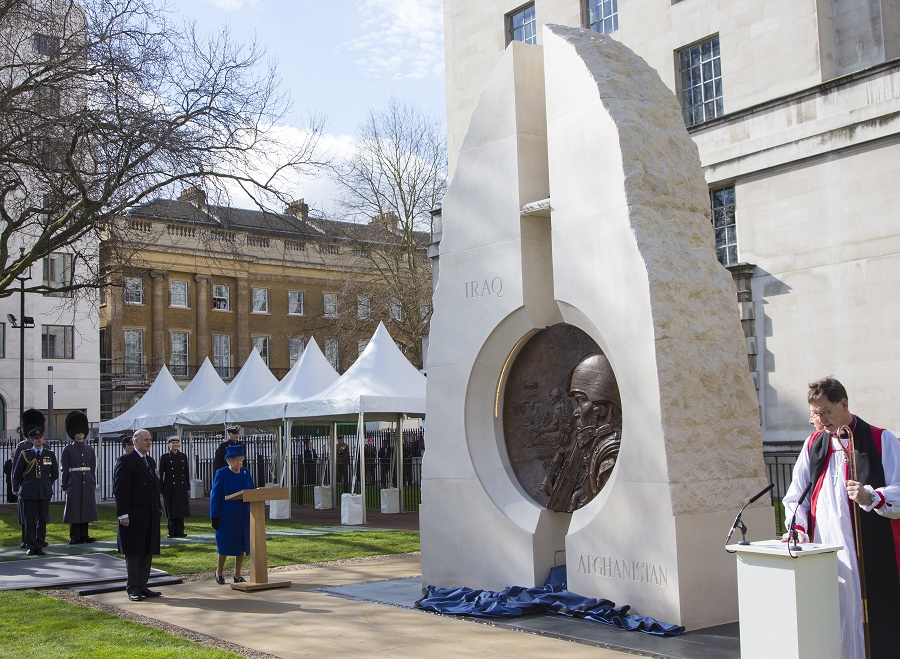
[37, 514]
[138, 568]
[78, 532]
[176, 527]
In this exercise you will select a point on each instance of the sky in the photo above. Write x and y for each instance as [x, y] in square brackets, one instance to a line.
[339, 58]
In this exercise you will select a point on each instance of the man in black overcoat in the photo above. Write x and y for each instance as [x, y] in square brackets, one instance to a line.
[11, 496]
[176, 487]
[35, 471]
[136, 488]
[234, 437]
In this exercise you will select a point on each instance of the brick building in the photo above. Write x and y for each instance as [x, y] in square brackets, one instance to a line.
[196, 280]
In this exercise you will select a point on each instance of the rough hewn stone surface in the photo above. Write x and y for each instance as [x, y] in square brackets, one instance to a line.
[708, 409]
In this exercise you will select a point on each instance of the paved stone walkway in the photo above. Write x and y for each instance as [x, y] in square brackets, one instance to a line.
[305, 621]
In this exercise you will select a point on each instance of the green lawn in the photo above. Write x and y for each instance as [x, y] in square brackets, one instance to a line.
[35, 625]
[38, 626]
[193, 558]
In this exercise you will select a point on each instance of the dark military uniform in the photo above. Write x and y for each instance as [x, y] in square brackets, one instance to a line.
[35, 471]
[176, 491]
[219, 457]
[21, 446]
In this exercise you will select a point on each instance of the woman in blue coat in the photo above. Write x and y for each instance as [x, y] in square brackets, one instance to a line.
[231, 519]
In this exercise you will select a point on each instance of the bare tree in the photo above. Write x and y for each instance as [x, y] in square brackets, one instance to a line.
[389, 186]
[105, 104]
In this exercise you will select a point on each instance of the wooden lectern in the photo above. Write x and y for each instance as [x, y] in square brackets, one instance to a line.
[259, 578]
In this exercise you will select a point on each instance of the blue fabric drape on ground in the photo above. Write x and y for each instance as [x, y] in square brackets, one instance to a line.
[552, 598]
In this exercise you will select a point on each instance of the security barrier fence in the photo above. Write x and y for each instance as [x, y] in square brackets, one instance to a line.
[310, 462]
[311, 467]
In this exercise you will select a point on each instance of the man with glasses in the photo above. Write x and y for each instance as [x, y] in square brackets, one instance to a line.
[826, 514]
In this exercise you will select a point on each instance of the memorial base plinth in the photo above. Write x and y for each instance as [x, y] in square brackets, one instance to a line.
[247, 586]
[788, 604]
[197, 489]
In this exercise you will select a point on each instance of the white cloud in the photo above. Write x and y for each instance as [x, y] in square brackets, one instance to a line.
[401, 38]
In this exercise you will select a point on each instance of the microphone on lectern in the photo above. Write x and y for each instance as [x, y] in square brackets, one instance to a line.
[794, 546]
[737, 520]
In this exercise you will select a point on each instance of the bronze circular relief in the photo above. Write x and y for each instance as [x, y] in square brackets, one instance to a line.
[562, 418]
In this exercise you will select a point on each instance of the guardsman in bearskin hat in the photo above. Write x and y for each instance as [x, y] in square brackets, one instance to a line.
[79, 479]
[35, 471]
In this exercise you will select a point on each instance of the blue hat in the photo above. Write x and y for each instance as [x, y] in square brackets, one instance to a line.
[234, 451]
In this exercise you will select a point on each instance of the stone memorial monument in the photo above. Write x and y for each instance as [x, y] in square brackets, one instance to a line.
[589, 399]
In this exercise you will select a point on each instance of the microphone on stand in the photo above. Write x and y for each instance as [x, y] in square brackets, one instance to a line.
[740, 524]
[794, 546]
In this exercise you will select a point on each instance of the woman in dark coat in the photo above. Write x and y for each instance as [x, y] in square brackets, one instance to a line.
[231, 519]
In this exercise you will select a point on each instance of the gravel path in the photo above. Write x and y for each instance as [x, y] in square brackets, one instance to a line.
[196, 637]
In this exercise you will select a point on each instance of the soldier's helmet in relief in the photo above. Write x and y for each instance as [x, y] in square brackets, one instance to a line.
[594, 378]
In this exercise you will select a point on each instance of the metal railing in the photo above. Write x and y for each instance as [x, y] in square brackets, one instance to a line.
[306, 473]
[779, 460]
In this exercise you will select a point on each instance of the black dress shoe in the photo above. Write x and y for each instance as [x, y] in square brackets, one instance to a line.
[135, 596]
[35, 552]
[74, 541]
[239, 579]
[45, 544]
[150, 593]
[23, 546]
[87, 540]
[181, 535]
[220, 580]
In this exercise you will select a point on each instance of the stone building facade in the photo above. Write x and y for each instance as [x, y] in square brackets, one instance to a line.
[201, 281]
[793, 106]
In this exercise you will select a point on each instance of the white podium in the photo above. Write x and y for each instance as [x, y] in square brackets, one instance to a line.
[788, 606]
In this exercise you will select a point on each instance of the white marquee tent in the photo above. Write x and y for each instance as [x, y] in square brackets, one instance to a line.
[381, 385]
[252, 381]
[308, 376]
[160, 395]
[205, 386]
